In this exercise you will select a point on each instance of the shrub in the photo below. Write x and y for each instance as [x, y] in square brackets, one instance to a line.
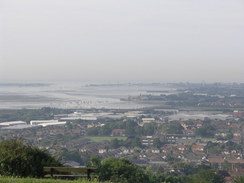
[18, 158]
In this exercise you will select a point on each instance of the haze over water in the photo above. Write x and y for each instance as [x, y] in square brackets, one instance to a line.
[72, 95]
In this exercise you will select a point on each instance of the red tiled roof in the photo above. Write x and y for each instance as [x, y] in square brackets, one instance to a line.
[118, 131]
[197, 147]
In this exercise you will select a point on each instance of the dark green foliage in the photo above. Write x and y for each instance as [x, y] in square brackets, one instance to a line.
[95, 162]
[133, 142]
[115, 143]
[174, 128]
[121, 170]
[176, 179]
[130, 142]
[73, 155]
[105, 130]
[213, 148]
[21, 159]
[149, 128]
[102, 131]
[131, 129]
[231, 146]
[93, 131]
[206, 131]
[207, 176]
[35, 180]
[157, 143]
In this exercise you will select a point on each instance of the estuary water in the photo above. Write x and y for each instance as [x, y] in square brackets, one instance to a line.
[74, 95]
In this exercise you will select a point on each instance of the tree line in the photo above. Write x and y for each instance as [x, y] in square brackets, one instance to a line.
[131, 128]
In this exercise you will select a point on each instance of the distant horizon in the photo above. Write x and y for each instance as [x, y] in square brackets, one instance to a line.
[108, 82]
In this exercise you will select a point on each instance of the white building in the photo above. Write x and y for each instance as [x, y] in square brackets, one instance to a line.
[37, 122]
[148, 120]
[12, 123]
[101, 151]
[47, 122]
[52, 124]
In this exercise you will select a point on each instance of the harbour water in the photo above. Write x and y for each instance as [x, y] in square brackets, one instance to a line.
[73, 95]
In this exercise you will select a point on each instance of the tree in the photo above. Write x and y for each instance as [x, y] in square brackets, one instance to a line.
[206, 131]
[149, 128]
[115, 143]
[93, 131]
[157, 143]
[130, 128]
[213, 148]
[207, 176]
[231, 146]
[121, 170]
[18, 158]
[71, 155]
[174, 129]
[133, 142]
[139, 131]
[105, 130]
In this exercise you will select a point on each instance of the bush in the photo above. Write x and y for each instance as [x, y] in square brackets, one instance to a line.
[121, 170]
[21, 159]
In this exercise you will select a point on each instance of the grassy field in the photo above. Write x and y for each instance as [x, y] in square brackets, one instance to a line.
[103, 138]
[208, 139]
[30, 180]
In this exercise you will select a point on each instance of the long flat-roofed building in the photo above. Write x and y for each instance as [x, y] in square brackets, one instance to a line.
[47, 122]
[12, 123]
[19, 127]
[37, 122]
[52, 124]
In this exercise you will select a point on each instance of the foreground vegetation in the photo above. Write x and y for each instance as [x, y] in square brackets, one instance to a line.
[19, 159]
[32, 180]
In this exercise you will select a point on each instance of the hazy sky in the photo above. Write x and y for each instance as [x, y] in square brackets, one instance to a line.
[122, 40]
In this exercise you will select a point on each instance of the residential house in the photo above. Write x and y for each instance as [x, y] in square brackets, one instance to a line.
[118, 132]
[197, 148]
